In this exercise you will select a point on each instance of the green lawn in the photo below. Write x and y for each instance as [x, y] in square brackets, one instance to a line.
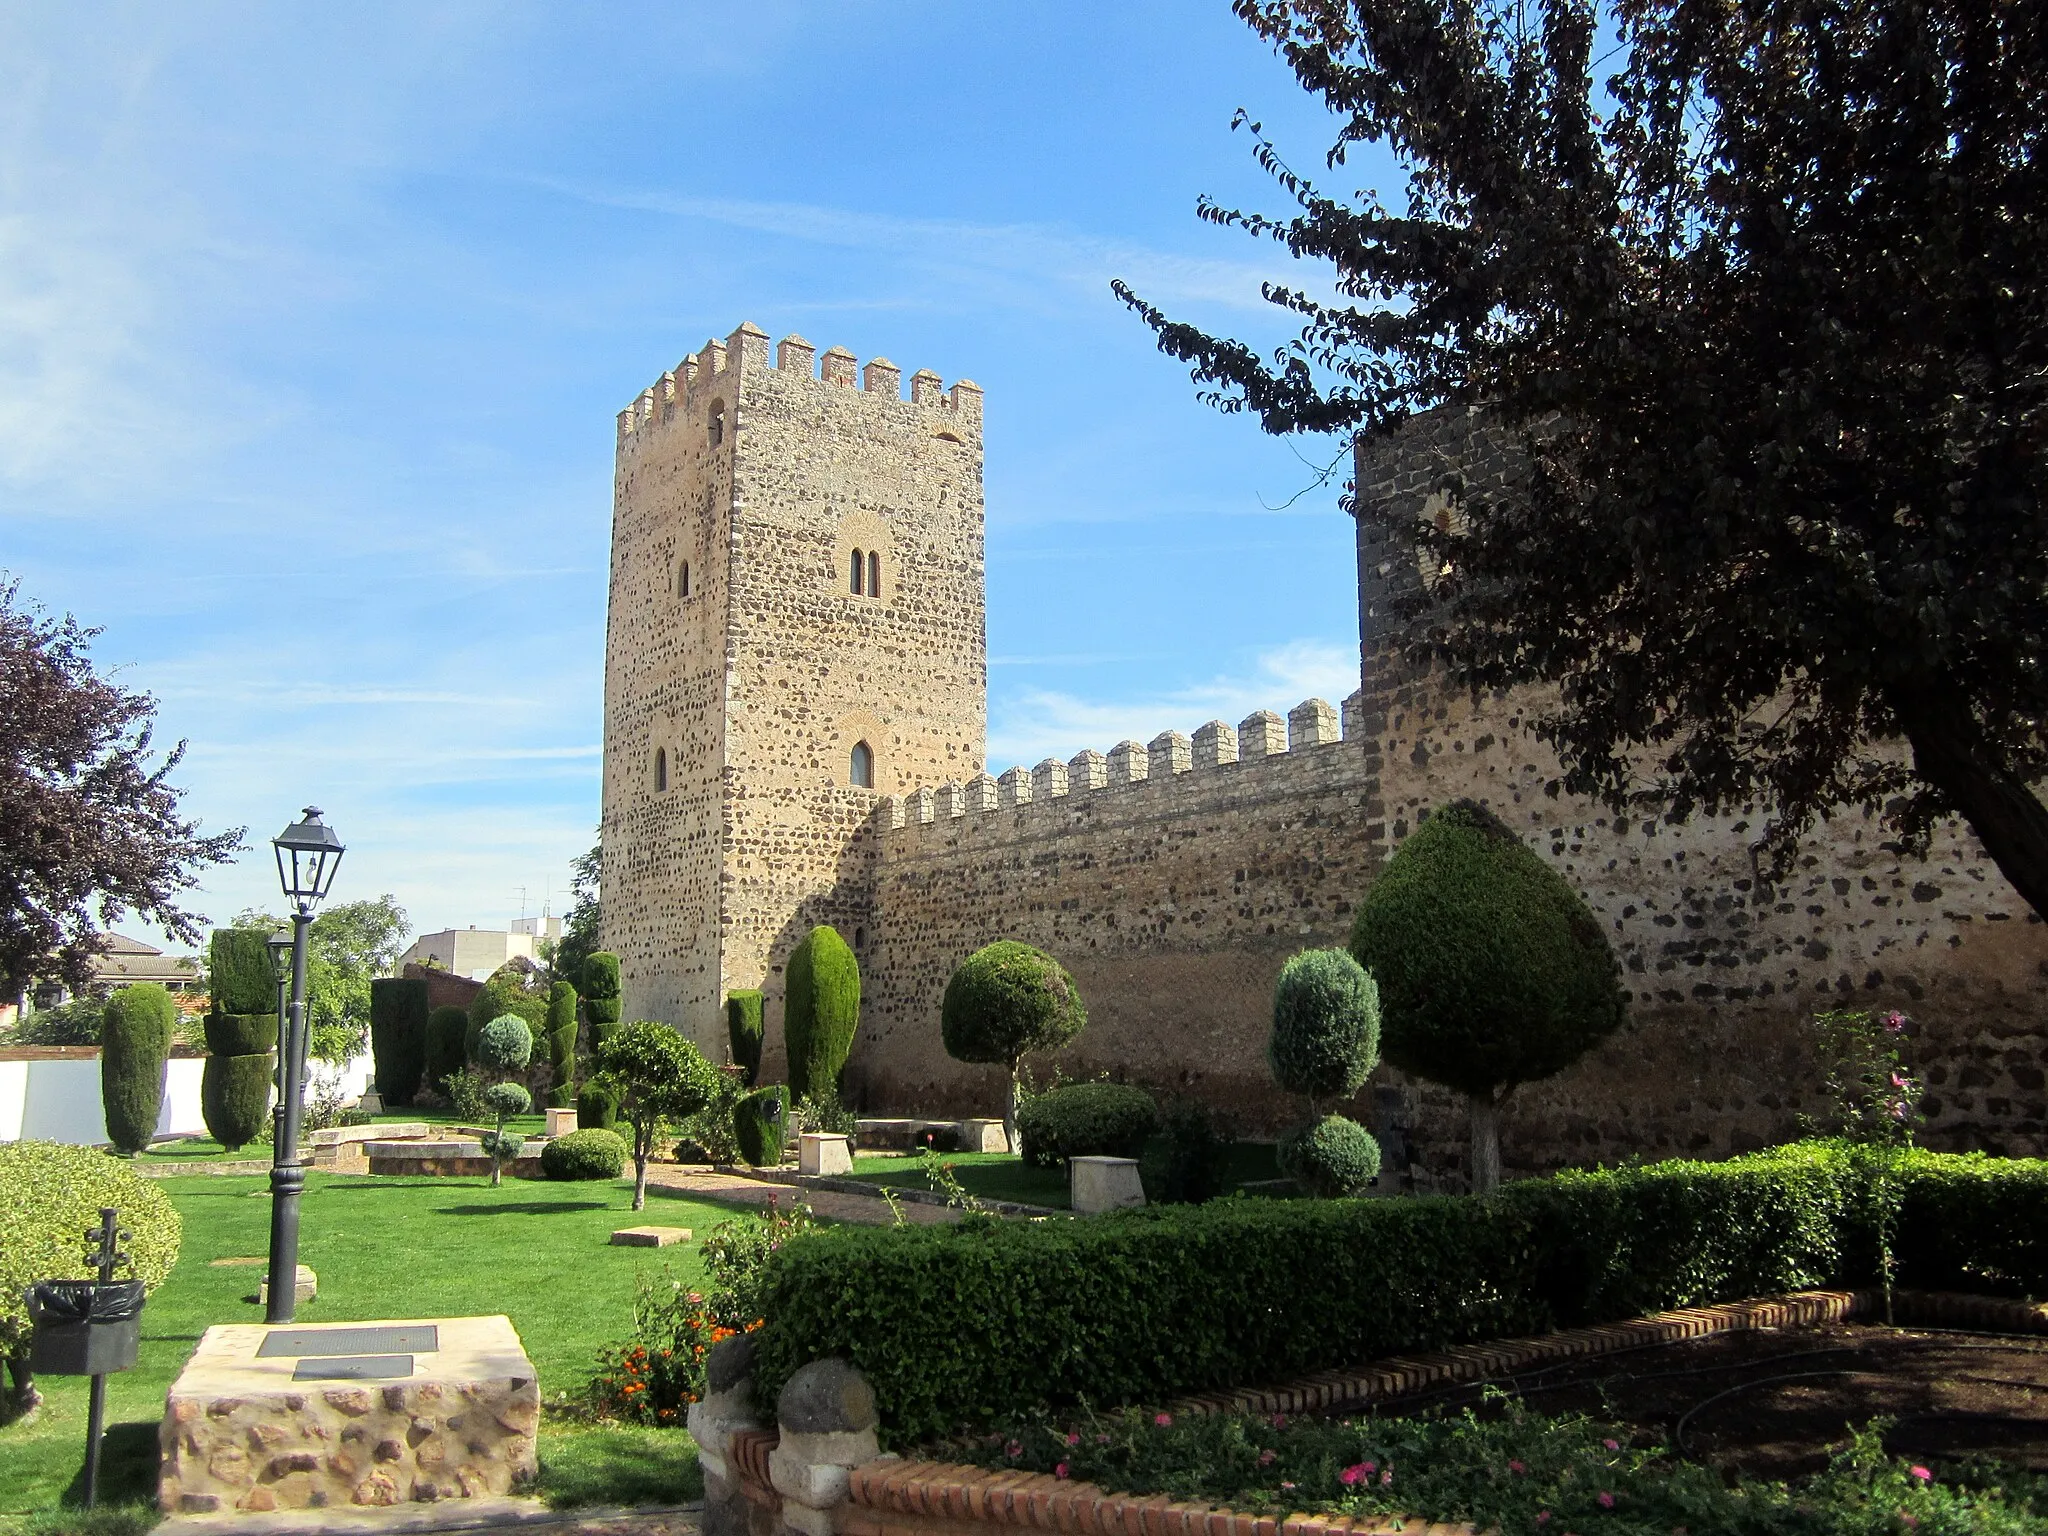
[391, 1248]
[1000, 1176]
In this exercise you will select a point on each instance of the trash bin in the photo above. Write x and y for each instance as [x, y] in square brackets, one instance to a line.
[84, 1327]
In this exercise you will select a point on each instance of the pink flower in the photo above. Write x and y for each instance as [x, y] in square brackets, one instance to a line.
[1517, 1468]
[1060, 1470]
[1920, 1473]
[1267, 1458]
[1386, 1477]
[1908, 1520]
[1606, 1499]
[1353, 1475]
[1543, 1517]
[1162, 1419]
[1895, 1022]
[1279, 1421]
[1612, 1445]
[1014, 1449]
[1073, 1439]
[1288, 1486]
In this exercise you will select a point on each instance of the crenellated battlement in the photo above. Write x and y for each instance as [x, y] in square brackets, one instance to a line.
[1168, 761]
[715, 367]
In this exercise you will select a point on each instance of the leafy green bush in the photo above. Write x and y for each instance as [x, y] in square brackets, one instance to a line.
[1086, 1120]
[505, 991]
[1491, 969]
[1003, 1002]
[447, 1031]
[746, 1031]
[234, 1097]
[561, 1042]
[597, 1109]
[49, 1195]
[657, 1078]
[1326, 1026]
[600, 988]
[241, 1034]
[465, 1090]
[821, 1012]
[760, 1123]
[1331, 1157]
[135, 1040]
[505, 1044]
[240, 975]
[398, 1036]
[74, 1023]
[737, 1255]
[1130, 1307]
[593, 1153]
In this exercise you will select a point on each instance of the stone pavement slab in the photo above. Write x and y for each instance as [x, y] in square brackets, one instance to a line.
[528, 1516]
[737, 1189]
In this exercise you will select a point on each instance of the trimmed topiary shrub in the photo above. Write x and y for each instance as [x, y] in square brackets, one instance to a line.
[49, 1195]
[745, 1030]
[398, 1036]
[760, 1123]
[584, 1154]
[659, 1078]
[561, 1042]
[505, 1044]
[447, 1030]
[1326, 1026]
[240, 975]
[1492, 971]
[135, 1041]
[234, 1097]
[1005, 1001]
[1087, 1120]
[1332, 1157]
[505, 1100]
[821, 1013]
[596, 1109]
[505, 992]
[240, 1034]
[600, 987]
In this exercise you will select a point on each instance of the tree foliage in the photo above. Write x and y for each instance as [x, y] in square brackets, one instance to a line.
[90, 829]
[134, 1043]
[1762, 315]
[579, 940]
[655, 1077]
[1326, 1025]
[348, 947]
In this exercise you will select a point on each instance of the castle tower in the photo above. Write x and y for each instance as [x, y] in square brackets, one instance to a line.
[796, 629]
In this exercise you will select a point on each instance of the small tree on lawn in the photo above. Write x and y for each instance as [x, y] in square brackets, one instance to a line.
[1491, 970]
[1005, 1001]
[505, 1045]
[1325, 1043]
[656, 1077]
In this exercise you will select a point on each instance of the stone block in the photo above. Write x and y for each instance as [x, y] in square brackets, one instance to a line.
[824, 1154]
[650, 1237]
[560, 1122]
[305, 1286]
[982, 1136]
[241, 1433]
[370, 1102]
[1103, 1184]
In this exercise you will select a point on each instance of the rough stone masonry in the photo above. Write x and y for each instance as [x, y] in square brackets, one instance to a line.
[750, 655]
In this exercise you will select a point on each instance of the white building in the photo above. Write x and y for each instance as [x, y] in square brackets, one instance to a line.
[476, 952]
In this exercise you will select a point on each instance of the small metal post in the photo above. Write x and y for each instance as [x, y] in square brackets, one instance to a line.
[104, 1256]
[287, 1173]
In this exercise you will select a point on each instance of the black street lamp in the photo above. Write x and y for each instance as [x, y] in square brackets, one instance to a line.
[280, 967]
[308, 853]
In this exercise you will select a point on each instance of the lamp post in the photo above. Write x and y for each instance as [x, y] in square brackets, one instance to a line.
[280, 967]
[308, 853]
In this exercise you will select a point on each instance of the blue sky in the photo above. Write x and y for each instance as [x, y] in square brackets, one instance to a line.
[314, 323]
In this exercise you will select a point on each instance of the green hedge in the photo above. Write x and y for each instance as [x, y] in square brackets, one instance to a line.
[135, 1041]
[447, 1032]
[398, 1036]
[955, 1325]
[820, 1012]
[234, 1097]
[240, 975]
[1086, 1120]
[561, 1043]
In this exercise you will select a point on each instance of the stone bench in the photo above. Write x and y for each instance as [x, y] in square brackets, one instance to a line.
[449, 1157]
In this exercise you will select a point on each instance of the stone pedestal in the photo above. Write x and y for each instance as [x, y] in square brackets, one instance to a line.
[370, 1102]
[827, 1416]
[822, 1153]
[726, 1409]
[305, 1286]
[452, 1416]
[982, 1136]
[560, 1122]
[1103, 1184]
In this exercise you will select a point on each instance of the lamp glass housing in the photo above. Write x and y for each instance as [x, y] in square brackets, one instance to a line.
[308, 853]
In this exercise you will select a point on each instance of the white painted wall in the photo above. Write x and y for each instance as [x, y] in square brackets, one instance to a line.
[59, 1100]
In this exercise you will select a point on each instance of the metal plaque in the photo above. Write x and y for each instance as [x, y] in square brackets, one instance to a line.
[354, 1368]
[419, 1339]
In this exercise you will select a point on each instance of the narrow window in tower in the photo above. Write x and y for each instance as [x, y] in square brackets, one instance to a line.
[874, 573]
[683, 580]
[717, 422]
[661, 770]
[858, 567]
[863, 771]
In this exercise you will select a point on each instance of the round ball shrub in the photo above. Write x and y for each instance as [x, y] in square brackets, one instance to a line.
[1007, 1000]
[821, 1011]
[1331, 1158]
[234, 1097]
[241, 1034]
[597, 1108]
[1326, 1025]
[135, 1040]
[594, 1153]
[49, 1195]
[505, 1045]
[508, 1099]
[447, 1027]
[746, 1031]
[505, 1146]
[1086, 1120]
[760, 1123]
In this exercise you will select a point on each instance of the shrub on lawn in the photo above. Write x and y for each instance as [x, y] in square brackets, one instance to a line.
[506, 991]
[1086, 1120]
[1143, 1305]
[1331, 1157]
[745, 1030]
[760, 1123]
[1492, 971]
[657, 1078]
[597, 1109]
[561, 1039]
[1326, 1026]
[1005, 1001]
[587, 1154]
[447, 1028]
[398, 1036]
[135, 1041]
[821, 1012]
[241, 1035]
[49, 1195]
[240, 975]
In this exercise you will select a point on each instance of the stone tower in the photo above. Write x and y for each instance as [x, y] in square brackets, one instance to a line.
[796, 607]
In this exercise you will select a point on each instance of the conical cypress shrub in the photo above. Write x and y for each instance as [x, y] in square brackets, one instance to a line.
[241, 1033]
[561, 1044]
[135, 1040]
[745, 1029]
[821, 1012]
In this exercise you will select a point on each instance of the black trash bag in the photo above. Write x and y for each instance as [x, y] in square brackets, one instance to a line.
[85, 1301]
